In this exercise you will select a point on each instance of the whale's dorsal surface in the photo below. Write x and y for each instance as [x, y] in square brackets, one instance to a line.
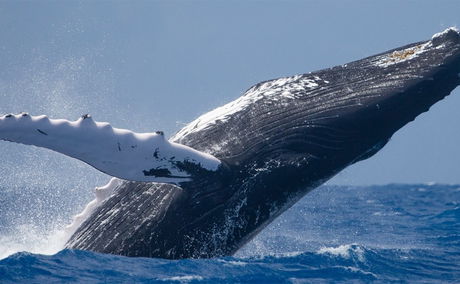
[277, 142]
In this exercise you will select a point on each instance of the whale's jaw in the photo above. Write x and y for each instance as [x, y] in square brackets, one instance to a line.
[281, 139]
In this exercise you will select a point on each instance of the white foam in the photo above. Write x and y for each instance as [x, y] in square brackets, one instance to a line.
[232, 262]
[357, 270]
[147, 157]
[52, 238]
[184, 279]
[28, 237]
[344, 251]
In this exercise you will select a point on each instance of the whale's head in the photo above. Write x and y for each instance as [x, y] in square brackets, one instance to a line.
[286, 136]
[329, 119]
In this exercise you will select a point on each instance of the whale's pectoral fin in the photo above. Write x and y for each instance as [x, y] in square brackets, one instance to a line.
[121, 153]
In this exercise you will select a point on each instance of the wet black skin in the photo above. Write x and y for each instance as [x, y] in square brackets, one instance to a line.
[273, 153]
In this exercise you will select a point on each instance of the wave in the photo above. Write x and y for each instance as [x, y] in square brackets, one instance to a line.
[334, 234]
[350, 262]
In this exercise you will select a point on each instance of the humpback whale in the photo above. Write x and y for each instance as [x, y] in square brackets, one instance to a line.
[225, 176]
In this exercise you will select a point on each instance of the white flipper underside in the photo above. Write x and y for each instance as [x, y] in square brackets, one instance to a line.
[121, 153]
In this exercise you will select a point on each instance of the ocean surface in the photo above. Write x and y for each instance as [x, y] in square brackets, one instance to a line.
[392, 233]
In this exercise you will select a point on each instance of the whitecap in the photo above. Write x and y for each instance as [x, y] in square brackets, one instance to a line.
[184, 278]
[344, 251]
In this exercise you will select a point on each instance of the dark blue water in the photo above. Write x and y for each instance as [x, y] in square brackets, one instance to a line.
[393, 233]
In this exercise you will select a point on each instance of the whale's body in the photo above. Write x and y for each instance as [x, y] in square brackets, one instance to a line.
[280, 140]
[277, 142]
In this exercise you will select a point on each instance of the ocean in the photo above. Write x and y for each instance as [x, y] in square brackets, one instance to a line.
[350, 234]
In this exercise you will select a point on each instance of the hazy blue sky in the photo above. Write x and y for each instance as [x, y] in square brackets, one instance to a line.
[156, 65]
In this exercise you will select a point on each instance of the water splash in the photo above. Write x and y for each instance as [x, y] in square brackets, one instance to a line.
[34, 239]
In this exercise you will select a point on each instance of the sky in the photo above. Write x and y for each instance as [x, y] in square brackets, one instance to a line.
[156, 65]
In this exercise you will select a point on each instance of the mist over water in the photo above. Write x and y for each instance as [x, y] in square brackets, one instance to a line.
[41, 190]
